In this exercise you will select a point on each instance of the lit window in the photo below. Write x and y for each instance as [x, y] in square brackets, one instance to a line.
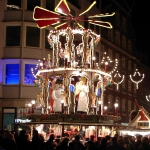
[13, 35]
[29, 73]
[13, 4]
[12, 73]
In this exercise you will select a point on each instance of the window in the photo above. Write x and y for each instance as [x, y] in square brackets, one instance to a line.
[117, 18]
[29, 74]
[123, 86]
[110, 54]
[110, 34]
[8, 118]
[12, 73]
[129, 65]
[13, 4]
[124, 25]
[129, 46]
[13, 35]
[123, 62]
[129, 106]
[129, 86]
[50, 5]
[123, 105]
[31, 4]
[32, 36]
[117, 37]
[123, 42]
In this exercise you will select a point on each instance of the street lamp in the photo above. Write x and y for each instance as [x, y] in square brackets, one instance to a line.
[105, 110]
[116, 109]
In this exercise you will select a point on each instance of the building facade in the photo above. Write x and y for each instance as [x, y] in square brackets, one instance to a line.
[23, 44]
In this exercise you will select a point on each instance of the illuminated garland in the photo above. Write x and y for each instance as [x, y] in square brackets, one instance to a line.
[137, 82]
[117, 75]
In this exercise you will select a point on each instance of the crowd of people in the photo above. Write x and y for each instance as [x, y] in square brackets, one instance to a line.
[23, 141]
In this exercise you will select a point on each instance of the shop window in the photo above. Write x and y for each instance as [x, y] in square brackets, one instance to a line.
[31, 4]
[29, 74]
[32, 36]
[12, 73]
[8, 118]
[13, 35]
[13, 4]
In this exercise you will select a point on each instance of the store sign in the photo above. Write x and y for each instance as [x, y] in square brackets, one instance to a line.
[22, 120]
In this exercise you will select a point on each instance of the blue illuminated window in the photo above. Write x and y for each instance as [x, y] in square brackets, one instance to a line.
[30, 71]
[12, 74]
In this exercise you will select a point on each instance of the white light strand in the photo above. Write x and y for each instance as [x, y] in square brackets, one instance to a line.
[137, 82]
[118, 75]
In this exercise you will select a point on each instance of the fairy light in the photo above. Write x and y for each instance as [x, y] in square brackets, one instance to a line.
[117, 75]
[137, 82]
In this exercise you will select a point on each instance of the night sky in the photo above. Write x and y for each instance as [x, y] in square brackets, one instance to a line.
[140, 11]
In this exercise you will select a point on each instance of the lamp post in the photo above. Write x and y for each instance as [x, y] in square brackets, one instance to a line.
[105, 110]
[116, 109]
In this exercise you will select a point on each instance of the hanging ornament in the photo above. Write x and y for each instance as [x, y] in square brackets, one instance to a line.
[137, 73]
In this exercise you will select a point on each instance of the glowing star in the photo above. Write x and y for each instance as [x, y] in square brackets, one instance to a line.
[62, 17]
[117, 75]
[137, 82]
